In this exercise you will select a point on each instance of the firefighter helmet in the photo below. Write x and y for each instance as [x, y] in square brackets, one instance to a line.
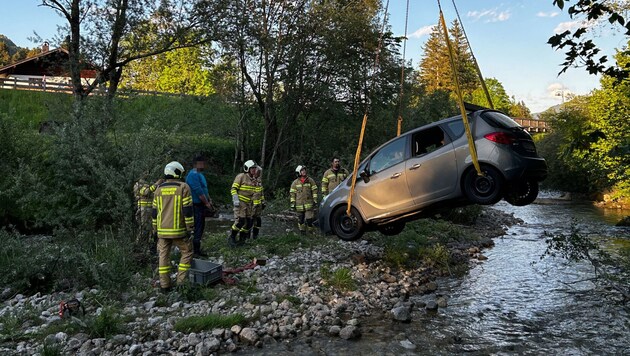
[174, 169]
[249, 164]
[299, 169]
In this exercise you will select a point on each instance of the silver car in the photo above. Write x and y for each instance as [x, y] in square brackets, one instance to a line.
[430, 168]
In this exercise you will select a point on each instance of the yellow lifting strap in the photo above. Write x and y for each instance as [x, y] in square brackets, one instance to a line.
[460, 99]
[402, 74]
[483, 83]
[357, 155]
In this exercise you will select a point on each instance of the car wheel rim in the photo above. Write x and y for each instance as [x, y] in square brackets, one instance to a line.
[484, 185]
[348, 224]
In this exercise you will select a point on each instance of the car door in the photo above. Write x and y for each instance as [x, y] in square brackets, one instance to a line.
[386, 191]
[432, 167]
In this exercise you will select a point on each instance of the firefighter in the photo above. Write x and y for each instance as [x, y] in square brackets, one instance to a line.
[333, 177]
[143, 194]
[173, 222]
[242, 191]
[259, 202]
[303, 198]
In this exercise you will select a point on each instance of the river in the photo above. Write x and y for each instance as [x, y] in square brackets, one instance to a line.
[511, 303]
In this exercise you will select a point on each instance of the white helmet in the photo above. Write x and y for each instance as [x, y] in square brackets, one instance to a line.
[249, 164]
[174, 169]
[299, 169]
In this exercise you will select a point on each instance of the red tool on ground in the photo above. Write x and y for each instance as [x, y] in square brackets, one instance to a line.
[251, 265]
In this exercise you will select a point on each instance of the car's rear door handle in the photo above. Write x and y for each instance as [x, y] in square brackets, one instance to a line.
[415, 166]
[396, 175]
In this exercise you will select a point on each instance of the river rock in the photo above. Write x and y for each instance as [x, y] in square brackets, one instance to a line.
[349, 332]
[334, 330]
[135, 349]
[431, 305]
[249, 335]
[401, 313]
[408, 345]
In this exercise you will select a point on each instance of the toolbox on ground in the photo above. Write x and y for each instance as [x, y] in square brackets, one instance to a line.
[204, 272]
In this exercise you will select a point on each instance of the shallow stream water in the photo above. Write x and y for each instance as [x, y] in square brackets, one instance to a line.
[512, 303]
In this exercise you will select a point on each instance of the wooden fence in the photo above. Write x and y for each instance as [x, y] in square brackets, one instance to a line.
[39, 84]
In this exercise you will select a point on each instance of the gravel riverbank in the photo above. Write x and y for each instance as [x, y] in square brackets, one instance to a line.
[285, 298]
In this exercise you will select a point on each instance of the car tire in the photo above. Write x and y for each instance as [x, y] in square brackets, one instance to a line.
[522, 192]
[392, 229]
[347, 228]
[486, 189]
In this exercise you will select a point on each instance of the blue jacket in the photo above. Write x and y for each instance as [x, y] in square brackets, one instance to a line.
[198, 186]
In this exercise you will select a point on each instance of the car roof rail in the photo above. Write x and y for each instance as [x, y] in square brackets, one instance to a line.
[472, 107]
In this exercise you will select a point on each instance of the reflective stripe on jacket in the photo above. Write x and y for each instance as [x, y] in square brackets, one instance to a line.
[172, 209]
[142, 191]
[245, 187]
[304, 195]
[331, 180]
[259, 195]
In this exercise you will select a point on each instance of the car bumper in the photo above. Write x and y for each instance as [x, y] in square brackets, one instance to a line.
[528, 168]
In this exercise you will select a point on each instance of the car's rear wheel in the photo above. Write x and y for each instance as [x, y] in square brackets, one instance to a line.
[392, 229]
[522, 192]
[483, 189]
[347, 227]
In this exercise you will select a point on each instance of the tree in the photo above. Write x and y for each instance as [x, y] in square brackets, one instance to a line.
[435, 69]
[307, 65]
[181, 71]
[580, 51]
[519, 109]
[112, 33]
[610, 109]
[500, 99]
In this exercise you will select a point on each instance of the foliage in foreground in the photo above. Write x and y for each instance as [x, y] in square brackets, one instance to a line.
[611, 269]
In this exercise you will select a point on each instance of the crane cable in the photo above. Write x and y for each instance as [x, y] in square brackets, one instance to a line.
[357, 155]
[402, 74]
[483, 83]
[460, 99]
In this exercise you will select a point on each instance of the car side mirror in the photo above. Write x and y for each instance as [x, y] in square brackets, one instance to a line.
[365, 176]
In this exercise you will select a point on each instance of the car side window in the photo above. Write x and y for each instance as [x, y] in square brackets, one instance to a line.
[456, 128]
[388, 156]
[428, 140]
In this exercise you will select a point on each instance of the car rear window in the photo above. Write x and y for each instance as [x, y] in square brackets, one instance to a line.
[456, 128]
[496, 119]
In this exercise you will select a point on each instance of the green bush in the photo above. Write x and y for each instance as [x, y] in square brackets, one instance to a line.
[71, 260]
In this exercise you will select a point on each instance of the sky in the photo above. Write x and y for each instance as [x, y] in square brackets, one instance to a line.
[508, 38]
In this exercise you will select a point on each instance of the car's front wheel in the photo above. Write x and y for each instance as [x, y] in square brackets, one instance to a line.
[483, 189]
[347, 227]
[522, 192]
[392, 229]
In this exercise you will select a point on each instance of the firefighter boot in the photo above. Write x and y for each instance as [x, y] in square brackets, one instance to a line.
[242, 237]
[302, 228]
[232, 238]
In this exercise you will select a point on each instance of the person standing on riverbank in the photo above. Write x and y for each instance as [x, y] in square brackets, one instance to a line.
[303, 199]
[333, 176]
[201, 201]
[173, 222]
[143, 194]
[243, 190]
[259, 202]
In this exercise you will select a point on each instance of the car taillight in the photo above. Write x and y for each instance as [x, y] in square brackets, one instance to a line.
[501, 137]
